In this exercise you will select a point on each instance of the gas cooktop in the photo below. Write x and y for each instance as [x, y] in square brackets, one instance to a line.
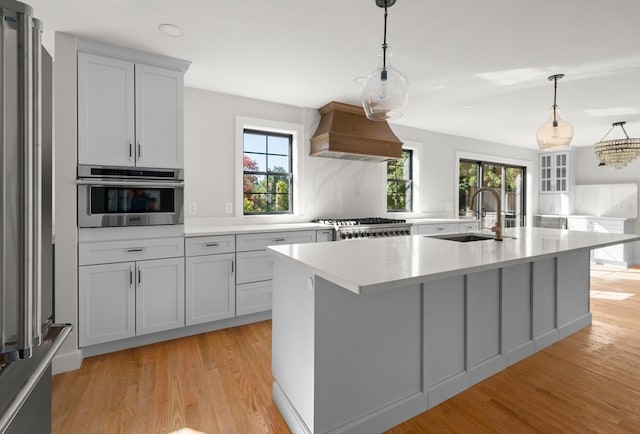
[366, 221]
[367, 227]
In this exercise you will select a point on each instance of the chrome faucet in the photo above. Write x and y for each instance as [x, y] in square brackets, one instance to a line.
[498, 227]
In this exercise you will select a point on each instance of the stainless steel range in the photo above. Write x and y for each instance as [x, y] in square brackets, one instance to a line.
[368, 227]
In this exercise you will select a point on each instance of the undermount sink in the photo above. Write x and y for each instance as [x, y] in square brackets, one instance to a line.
[464, 238]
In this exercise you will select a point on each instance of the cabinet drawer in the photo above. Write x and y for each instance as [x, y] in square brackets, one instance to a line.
[253, 297]
[436, 229]
[198, 246]
[248, 242]
[468, 227]
[132, 250]
[254, 266]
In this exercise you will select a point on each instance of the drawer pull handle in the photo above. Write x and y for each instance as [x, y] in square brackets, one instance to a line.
[212, 244]
[278, 239]
[439, 229]
[136, 250]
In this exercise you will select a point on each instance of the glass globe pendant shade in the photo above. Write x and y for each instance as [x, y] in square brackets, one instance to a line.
[555, 133]
[384, 91]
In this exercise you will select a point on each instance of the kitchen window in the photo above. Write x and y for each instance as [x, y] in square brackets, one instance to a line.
[400, 183]
[267, 172]
[507, 180]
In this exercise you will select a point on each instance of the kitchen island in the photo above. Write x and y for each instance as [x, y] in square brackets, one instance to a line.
[369, 333]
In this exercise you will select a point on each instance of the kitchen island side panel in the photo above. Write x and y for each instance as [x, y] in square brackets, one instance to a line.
[445, 366]
[293, 344]
[544, 299]
[369, 351]
[573, 282]
[517, 337]
[485, 354]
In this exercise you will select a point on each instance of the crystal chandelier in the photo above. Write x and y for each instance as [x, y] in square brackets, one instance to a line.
[617, 153]
[555, 133]
[384, 91]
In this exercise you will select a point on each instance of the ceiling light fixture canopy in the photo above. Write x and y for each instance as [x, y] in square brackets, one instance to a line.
[555, 133]
[384, 91]
[617, 153]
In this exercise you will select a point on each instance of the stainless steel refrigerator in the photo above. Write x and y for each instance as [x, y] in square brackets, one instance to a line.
[29, 338]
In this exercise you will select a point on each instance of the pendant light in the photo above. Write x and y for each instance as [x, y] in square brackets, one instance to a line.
[555, 133]
[617, 153]
[384, 91]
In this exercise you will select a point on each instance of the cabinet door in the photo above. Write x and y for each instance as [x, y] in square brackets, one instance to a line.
[105, 111]
[561, 168]
[159, 295]
[106, 303]
[159, 117]
[210, 290]
[545, 173]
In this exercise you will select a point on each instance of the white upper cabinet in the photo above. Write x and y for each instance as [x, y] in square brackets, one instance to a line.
[130, 112]
[555, 172]
[159, 117]
[557, 183]
[106, 132]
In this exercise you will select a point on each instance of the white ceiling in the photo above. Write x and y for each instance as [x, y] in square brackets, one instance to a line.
[477, 68]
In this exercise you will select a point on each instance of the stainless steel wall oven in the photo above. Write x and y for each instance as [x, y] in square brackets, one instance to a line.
[115, 196]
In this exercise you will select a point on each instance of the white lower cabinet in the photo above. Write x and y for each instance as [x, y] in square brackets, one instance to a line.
[210, 278]
[129, 299]
[619, 254]
[159, 295]
[107, 303]
[129, 288]
[255, 267]
[210, 288]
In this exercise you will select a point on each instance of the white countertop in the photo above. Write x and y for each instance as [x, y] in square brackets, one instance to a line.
[369, 265]
[584, 216]
[201, 231]
[196, 230]
[420, 221]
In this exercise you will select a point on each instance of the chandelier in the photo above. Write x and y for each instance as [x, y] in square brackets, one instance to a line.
[617, 153]
[555, 133]
[384, 91]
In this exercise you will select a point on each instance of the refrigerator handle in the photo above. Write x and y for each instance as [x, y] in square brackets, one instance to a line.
[57, 334]
[25, 119]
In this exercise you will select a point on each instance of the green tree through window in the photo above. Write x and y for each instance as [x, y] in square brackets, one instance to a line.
[399, 183]
[267, 172]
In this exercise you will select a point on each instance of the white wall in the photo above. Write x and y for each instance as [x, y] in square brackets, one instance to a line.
[588, 172]
[329, 187]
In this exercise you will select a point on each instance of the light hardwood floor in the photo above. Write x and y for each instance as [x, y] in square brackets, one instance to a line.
[220, 382]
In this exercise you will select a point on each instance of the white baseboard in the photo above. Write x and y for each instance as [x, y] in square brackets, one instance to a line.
[66, 362]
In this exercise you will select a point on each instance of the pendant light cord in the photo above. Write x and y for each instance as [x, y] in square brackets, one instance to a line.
[383, 73]
[555, 91]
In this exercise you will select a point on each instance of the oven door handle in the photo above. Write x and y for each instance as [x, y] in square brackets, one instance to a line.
[145, 183]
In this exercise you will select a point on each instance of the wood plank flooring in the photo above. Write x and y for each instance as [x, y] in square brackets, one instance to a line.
[220, 382]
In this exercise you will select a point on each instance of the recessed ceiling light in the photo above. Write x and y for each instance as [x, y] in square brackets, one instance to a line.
[170, 30]
[465, 107]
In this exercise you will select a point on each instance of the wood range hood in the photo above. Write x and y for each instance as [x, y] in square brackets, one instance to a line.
[344, 132]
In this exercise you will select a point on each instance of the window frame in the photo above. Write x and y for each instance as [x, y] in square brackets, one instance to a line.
[408, 182]
[274, 127]
[528, 185]
[270, 174]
